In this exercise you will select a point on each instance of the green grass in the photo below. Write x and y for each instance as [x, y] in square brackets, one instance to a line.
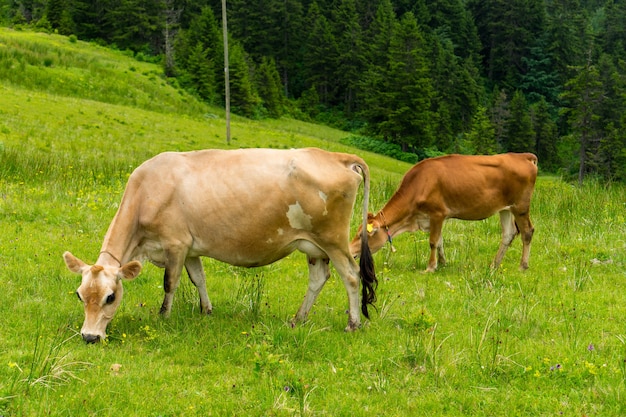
[462, 341]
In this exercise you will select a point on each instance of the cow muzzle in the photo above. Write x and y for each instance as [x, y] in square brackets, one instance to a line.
[91, 338]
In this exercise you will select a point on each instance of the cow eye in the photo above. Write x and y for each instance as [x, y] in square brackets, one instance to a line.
[110, 298]
[78, 295]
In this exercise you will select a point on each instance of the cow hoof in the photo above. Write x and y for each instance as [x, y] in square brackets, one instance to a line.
[352, 327]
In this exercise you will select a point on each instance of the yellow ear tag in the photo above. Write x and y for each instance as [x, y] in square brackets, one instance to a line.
[370, 227]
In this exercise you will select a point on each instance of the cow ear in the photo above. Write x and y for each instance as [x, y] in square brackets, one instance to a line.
[371, 229]
[130, 270]
[73, 263]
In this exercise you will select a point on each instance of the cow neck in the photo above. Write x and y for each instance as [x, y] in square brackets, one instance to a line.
[108, 255]
[391, 216]
[383, 221]
[121, 237]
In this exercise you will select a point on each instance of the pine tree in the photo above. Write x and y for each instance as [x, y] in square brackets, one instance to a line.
[520, 134]
[202, 73]
[546, 135]
[499, 113]
[482, 135]
[54, 12]
[610, 111]
[202, 40]
[613, 33]
[135, 25]
[89, 17]
[444, 65]
[321, 56]
[269, 88]
[565, 36]
[244, 98]
[582, 95]
[289, 54]
[255, 25]
[373, 86]
[350, 60]
[309, 103]
[507, 28]
[452, 20]
[409, 93]
[539, 80]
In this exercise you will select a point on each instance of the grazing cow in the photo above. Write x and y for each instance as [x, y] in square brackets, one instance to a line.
[460, 187]
[247, 207]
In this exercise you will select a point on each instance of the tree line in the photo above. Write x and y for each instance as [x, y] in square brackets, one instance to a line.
[468, 76]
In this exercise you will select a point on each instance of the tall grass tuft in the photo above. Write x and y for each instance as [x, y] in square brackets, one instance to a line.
[49, 367]
[251, 292]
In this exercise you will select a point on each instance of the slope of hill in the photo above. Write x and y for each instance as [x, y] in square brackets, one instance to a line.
[59, 95]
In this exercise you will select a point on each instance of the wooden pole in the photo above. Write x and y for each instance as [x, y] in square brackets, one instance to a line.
[226, 72]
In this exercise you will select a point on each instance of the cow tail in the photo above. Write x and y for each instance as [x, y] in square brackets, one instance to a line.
[369, 282]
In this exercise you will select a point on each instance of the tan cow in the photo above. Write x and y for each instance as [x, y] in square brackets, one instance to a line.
[460, 187]
[246, 207]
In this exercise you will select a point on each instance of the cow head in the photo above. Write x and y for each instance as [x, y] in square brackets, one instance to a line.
[100, 292]
[377, 236]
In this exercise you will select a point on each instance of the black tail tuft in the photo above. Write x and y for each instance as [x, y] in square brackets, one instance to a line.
[368, 276]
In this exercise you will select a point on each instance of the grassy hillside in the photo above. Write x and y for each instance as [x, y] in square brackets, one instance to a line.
[60, 97]
[75, 119]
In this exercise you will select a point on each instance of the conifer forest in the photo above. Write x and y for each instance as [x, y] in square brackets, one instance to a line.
[428, 77]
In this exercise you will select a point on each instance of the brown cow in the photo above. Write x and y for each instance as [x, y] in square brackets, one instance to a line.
[246, 207]
[460, 187]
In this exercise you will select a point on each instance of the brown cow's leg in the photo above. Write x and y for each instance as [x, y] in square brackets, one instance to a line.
[319, 272]
[509, 231]
[436, 241]
[171, 279]
[198, 277]
[441, 256]
[526, 231]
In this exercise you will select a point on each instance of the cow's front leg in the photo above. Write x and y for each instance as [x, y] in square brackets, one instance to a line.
[441, 256]
[319, 272]
[198, 277]
[171, 279]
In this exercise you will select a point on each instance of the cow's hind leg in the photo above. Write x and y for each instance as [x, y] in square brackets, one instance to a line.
[198, 277]
[348, 269]
[171, 279]
[435, 240]
[509, 231]
[319, 272]
[526, 230]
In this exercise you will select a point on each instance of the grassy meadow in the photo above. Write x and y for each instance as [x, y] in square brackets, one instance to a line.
[76, 119]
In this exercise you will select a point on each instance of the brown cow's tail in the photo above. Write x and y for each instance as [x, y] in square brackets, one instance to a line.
[369, 282]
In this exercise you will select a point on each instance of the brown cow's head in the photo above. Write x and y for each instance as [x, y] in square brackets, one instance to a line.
[376, 236]
[101, 293]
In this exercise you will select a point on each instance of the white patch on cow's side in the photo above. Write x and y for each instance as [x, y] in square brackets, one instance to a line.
[298, 219]
[280, 231]
[324, 197]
